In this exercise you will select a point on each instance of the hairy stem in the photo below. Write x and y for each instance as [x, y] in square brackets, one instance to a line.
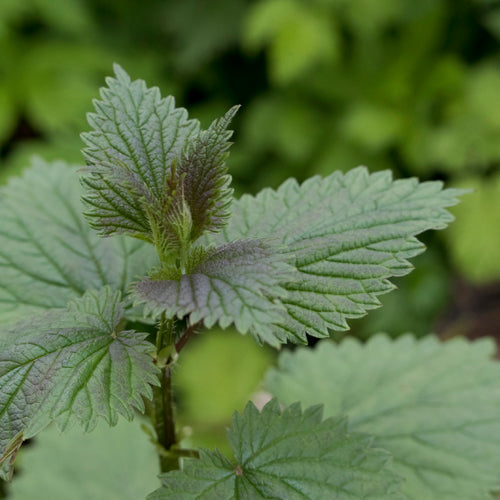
[185, 337]
[165, 426]
[163, 411]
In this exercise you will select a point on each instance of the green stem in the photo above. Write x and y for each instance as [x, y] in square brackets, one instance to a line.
[163, 411]
[165, 426]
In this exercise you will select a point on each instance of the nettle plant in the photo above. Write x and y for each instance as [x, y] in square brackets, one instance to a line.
[100, 298]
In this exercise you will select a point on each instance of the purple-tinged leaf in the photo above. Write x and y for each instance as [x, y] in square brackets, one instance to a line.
[235, 283]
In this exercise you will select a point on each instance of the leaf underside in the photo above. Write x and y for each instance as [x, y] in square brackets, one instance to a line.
[73, 365]
[48, 254]
[289, 454]
[435, 407]
[346, 234]
[233, 284]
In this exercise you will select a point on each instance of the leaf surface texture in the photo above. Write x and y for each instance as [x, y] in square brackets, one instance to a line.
[136, 135]
[151, 169]
[73, 365]
[346, 234]
[48, 253]
[435, 407]
[289, 454]
[233, 284]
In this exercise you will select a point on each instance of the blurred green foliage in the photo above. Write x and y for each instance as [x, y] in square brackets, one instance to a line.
[325, 85]
[420, 298]
[113, 464]
[474, 239]
[396, 82]
[233, 368]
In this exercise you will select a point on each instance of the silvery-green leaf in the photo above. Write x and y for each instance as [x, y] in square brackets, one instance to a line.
[434, 406]
[48, 253]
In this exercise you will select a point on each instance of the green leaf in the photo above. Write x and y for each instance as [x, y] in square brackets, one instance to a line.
[346, 234]
[435, 407]
[73, 365]
[289, 454]
[197, 196]
[233, 284]
[233, 367]
[152, 173]
[204, 176]
[136, 136]
[116, 463]
[419, 301]
[48, 254]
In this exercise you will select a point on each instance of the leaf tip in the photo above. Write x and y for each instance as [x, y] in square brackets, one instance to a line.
[120, 73]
